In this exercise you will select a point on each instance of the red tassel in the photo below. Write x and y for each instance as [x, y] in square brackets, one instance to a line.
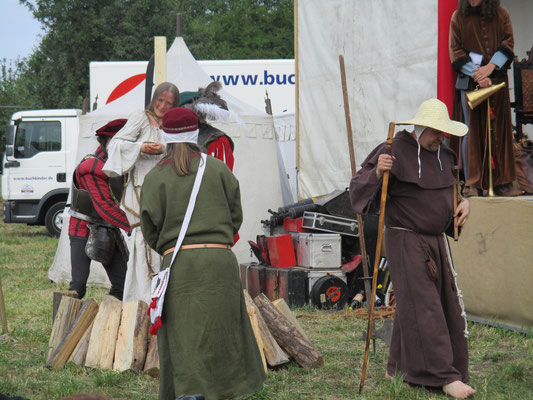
[155, 326]
[153, 304]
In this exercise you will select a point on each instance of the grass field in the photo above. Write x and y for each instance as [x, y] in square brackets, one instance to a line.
[501, 363]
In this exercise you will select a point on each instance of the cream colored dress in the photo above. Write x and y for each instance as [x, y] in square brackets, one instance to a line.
[125, 156]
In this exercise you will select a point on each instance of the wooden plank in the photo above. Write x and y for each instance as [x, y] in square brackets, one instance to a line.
[72, 337]
[252, 313]
[132, 340]
[273, 352]
[151, 365]
[283, 308]
[80, 351]
[287, 335]
[57, 296]
[103, 338]
[66, 314]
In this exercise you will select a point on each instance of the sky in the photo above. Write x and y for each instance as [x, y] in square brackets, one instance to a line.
[19, 31]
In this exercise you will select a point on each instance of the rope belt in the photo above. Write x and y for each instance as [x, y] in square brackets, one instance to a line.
[399, 228]
[200, 246]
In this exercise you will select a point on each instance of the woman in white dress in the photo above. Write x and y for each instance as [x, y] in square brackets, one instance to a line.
[135, 150]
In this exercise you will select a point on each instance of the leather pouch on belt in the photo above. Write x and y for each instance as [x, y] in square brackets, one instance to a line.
[432, 269]
[431, 266]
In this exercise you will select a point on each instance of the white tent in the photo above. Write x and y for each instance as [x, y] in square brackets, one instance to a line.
[396, 56]
[263, 184]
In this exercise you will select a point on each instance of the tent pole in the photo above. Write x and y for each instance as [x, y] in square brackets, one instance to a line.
[297, 88]
[178, 25]
[160, 58]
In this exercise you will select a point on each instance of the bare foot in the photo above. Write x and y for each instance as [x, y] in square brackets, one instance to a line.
[458, 390]
[387, 376]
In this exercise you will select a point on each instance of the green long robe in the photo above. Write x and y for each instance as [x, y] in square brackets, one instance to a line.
[206, 344]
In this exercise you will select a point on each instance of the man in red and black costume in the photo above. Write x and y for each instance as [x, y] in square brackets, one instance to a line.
[96, 218]
[208, 104]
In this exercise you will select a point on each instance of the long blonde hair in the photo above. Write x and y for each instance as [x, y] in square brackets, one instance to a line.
[161, 88]
[179, 154]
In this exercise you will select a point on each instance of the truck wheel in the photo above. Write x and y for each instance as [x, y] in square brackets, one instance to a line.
[54, 219]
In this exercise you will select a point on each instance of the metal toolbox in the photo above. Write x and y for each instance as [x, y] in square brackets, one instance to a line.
[318, 250]
[330, 223]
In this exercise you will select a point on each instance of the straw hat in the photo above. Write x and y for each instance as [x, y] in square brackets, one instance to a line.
[433, 113]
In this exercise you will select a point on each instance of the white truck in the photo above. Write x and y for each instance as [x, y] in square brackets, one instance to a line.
[41, 145]
[38, 163]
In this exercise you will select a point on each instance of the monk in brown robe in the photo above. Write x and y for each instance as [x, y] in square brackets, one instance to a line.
[429, 345]
[481, 50]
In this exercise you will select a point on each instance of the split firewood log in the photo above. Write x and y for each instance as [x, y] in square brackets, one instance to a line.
[132, 341]
[66, 314]
[286, 334]
[80, 325]
[103, 338]
[273, 352]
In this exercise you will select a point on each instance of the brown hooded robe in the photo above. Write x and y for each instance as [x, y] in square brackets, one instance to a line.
[485, 37]
[428, 344]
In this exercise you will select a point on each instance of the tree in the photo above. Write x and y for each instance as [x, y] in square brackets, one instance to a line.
[13, 93]
[239, 29]
[80, 31]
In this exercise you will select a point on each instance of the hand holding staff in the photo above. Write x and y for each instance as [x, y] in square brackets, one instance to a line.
[378, 253]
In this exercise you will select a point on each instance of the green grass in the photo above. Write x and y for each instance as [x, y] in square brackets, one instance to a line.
[501, 361]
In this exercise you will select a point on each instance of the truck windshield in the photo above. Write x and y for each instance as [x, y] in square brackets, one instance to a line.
[34, 137]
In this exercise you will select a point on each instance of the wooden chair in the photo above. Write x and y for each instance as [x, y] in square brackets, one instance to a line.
[523, 92]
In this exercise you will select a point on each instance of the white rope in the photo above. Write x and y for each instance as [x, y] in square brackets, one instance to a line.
[459, 293]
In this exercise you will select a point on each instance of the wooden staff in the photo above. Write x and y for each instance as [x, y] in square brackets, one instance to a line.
[3, 316]
[376, 261]
[354, 170]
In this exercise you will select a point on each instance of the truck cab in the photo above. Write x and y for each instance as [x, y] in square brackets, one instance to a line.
[38, 164]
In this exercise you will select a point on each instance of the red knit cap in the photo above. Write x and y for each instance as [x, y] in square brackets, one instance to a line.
[111, 128]
[179, 120]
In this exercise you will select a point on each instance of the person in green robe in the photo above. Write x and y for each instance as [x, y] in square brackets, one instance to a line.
[206, 343]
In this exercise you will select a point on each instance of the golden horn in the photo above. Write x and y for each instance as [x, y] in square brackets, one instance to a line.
[478, 96]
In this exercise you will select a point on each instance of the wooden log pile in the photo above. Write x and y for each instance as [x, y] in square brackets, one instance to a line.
[279, 336]
[111, 335]
[114, 335]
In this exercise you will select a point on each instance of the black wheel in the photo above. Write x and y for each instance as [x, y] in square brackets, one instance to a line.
[329, 292]
[53, 219]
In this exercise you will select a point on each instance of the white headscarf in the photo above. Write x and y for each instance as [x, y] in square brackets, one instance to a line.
[419, 129]
[185, 137]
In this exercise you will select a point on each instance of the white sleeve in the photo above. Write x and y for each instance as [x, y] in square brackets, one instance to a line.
[124, 149]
